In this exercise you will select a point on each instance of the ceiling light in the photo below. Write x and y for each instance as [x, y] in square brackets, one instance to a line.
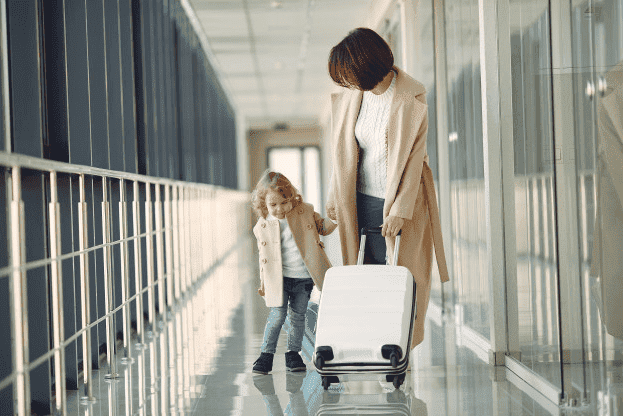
[276, 4]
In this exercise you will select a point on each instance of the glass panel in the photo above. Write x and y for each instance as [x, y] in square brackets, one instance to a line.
[425, 73]
[597, 45]
[469, 245]
[536, 287]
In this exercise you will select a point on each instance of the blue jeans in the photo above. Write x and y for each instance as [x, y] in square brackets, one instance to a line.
[296, 292]
[370, 215]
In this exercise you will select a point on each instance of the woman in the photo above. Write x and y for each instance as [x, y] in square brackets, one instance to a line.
[381, 175]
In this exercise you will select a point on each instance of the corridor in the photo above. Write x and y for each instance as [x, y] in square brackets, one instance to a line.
[133, 134]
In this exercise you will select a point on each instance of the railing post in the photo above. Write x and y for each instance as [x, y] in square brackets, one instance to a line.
[58, 322]
[125, 267]
[84, 296]
[138, 265]
[149, 248]
[160, 252]
[128, 390]
[19, 304]
[177, 272]
[108, 282]
[172, 363]
[181, 230]
[169, 248]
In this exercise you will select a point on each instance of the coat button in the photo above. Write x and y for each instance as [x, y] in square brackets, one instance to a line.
[264, 225]
[264, 261]
[263, 243]
[309, 226]
[300, 210]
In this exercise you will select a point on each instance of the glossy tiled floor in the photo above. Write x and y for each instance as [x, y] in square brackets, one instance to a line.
[205, 368]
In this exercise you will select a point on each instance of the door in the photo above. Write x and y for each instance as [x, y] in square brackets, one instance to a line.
[597, 52]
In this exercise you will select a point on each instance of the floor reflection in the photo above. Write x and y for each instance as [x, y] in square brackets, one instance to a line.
[199, 360]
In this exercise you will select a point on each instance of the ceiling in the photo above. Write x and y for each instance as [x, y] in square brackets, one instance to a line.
[272, 55]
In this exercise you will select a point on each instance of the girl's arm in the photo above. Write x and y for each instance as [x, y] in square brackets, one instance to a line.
[324, 225]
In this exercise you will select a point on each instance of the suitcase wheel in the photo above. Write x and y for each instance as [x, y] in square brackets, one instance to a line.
[327, 380]
[394, 360]
[323, 354]
[325, 383]
[319, 362]
[398, 380]
[392, 353]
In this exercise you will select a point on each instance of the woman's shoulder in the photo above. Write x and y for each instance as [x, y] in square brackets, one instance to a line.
[406, 84]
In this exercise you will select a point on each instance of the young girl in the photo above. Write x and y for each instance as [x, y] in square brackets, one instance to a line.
[292, 260]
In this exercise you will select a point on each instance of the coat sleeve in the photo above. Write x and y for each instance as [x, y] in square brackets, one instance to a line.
[324, 225]
[331, 194]
[410, 182]
[257, 237]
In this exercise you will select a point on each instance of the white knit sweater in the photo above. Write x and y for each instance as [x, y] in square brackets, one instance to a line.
[292, 263]
[370, 133]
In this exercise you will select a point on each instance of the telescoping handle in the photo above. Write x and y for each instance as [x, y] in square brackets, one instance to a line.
[362, 245]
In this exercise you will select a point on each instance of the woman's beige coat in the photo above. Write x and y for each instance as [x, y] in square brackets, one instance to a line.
[410, 192]
[306, 226]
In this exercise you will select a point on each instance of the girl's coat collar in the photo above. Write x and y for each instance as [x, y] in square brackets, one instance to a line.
[274, 220]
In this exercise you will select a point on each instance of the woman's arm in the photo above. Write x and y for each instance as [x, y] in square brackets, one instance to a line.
[330, 206]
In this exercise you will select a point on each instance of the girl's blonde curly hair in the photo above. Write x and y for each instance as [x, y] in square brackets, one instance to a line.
[275, 181]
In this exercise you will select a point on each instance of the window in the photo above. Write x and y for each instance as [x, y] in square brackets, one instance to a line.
[301, 165]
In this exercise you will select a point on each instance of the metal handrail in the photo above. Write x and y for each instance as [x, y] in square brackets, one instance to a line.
[29, 162]
[6, 271]
[179, 278]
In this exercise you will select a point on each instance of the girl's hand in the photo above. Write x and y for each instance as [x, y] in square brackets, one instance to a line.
[392, 225]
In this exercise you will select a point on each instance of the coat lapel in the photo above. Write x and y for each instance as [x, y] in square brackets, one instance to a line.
[406, 114]
[345, 108]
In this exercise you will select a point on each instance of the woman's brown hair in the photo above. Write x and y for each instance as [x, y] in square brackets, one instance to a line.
[275, 181]
[361, 60]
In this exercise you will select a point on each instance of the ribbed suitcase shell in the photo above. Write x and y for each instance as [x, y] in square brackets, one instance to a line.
[363, 308]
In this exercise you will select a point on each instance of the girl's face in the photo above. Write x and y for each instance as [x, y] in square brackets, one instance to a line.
[277, 205]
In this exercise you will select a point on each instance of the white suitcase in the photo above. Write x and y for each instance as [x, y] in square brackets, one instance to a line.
[365, 318]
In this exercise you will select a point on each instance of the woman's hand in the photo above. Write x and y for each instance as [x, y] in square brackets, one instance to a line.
[260, 291]
[392, 225]
[331, 212]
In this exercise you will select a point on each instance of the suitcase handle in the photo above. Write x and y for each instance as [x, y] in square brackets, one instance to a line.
[374, 230]
[362, 244]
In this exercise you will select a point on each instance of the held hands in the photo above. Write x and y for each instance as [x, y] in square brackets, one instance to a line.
[392, 225]
[331, 213]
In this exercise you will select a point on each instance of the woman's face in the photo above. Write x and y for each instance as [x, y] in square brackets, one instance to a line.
[277, 205]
